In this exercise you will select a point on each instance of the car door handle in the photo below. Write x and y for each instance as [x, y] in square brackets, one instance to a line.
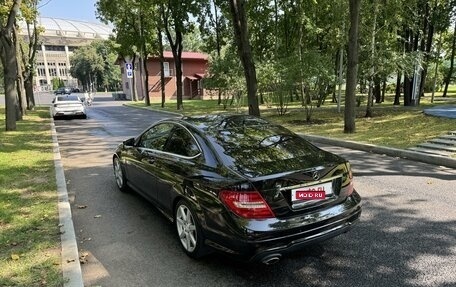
[150, 160]
[147, 157]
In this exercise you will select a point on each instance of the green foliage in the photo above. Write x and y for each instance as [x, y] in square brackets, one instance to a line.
[225, 72]
[93, 65]
[56, 83]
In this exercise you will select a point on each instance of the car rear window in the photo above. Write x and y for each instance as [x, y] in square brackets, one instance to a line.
[67, 98]
[263, 149]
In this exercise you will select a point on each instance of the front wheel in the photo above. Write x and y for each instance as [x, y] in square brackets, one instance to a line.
[119, 175]
[189, 230]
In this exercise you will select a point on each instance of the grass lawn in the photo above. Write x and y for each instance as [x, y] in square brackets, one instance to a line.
[29, 231]
[391, 126]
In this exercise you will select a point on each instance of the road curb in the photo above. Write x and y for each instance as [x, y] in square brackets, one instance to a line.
[412, 155]
[71, 269]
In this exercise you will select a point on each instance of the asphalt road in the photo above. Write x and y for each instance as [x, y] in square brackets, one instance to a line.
[406, 236]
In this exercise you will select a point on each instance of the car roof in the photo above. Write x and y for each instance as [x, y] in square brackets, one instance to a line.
[255, 147]
[207, 123]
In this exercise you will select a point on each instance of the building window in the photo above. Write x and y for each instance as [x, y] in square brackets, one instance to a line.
[41, 71]
[54, 48]
[63, 70]
[53, 72]
[166, 70]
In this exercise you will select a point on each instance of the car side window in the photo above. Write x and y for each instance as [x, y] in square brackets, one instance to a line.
[182, 143]
[155, 137]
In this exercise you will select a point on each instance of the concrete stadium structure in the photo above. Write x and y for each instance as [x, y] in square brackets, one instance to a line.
[56, 44]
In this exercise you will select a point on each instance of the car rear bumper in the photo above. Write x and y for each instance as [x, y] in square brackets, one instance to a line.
[69, 113]
[273, 238]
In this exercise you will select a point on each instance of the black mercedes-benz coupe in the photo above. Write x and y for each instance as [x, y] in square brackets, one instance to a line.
[239, 184]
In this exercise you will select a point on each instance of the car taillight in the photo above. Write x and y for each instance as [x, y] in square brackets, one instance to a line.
[246, 204]
[347, 180]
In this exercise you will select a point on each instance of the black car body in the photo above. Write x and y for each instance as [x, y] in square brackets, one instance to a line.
[239, 184]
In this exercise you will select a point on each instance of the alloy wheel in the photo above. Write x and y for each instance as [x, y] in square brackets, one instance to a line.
[186, 228]
[118, 173]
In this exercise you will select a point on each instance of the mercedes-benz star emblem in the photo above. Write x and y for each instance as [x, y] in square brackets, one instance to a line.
[315, 175]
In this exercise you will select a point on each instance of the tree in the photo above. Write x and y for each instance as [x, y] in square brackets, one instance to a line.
[214, 30]
[241, 35]
[93, 66]
[450, 71]
[135, 26]
[28, 49]
[352, 68]
[9, 62]
[175, 17]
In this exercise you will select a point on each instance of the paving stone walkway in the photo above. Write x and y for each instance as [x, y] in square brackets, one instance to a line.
[444, 145]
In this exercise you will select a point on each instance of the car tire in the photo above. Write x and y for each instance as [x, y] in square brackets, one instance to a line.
[189, 231]
[119, 175]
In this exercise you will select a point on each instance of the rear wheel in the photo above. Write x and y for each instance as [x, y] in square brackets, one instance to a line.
[189, 230]
[119, 175]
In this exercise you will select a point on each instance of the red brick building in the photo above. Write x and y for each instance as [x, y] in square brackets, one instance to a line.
[194, 66]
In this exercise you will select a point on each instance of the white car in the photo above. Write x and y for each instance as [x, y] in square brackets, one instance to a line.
[68, 105]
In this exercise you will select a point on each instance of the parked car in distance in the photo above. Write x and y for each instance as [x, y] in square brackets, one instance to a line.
[68, 105]
[75, 90]
[62, 91]
[239, 185]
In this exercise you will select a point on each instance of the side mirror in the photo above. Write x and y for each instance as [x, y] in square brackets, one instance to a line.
[129, 142]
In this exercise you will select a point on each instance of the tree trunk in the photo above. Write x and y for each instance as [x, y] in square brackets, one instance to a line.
[9, 61]
[382, 97]
[372, 76]
[177, 54]
[143, 62]
[426, 48]
[218, 44]
[245, 53]
[20, 79]
[352, 67]
[29, 62]
[162, 67]
[398, 89]
[377, 90]
[10, 75]
[176, 49]
[134, 96]
[450, 72]
[28, 84]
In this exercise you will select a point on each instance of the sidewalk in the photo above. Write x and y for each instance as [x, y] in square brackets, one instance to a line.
[412, 155]
[448, 111]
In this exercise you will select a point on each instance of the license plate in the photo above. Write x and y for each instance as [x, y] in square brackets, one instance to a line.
[313, 192]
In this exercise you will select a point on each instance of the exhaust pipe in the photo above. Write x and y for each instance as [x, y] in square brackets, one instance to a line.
[271, 259]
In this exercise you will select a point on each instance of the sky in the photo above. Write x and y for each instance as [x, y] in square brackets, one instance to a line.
[69, 9]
